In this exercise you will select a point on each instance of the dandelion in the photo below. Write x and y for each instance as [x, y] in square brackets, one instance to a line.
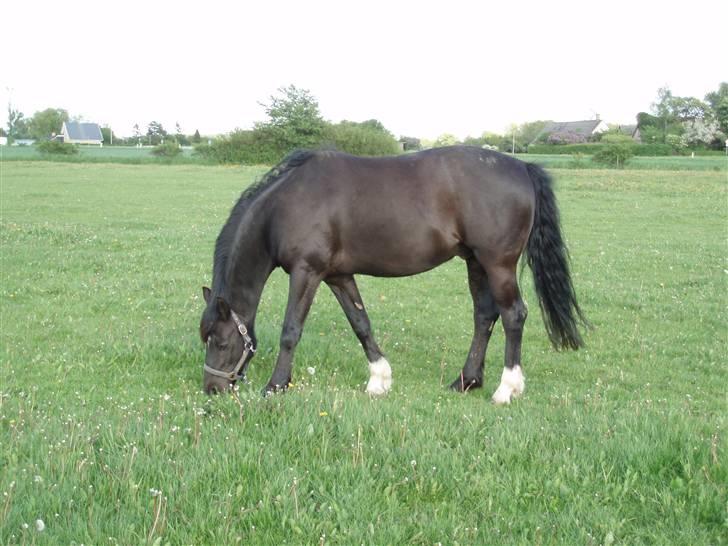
[323, 413]
[39, 525]
[311, 370]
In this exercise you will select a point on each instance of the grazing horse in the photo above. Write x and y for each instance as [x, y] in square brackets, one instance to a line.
[326, 216]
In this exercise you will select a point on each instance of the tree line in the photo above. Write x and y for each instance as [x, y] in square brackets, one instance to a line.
[294, 121]
[45, 124]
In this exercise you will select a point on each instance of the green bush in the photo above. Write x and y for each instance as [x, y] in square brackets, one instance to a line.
[360, 139]
[167, 149]
[614, 155]
[56, 147]
[590, 148]
[243, 147]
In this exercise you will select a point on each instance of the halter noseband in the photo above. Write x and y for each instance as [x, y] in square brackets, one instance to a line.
[248, 348]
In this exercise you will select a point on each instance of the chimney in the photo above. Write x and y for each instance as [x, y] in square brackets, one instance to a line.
[598, 117]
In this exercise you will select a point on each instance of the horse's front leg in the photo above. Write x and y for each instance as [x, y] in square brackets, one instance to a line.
[301, 291]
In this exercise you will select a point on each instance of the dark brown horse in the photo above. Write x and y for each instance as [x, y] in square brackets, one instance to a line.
[326, 216]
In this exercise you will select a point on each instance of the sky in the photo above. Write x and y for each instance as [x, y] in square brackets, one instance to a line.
[421, 68]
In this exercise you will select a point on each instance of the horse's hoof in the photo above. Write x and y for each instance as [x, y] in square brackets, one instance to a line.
[270, 389]
[463, 384]
[512, 385]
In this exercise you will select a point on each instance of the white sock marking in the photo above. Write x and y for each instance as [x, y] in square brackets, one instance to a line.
[512, 384]
[380, 377]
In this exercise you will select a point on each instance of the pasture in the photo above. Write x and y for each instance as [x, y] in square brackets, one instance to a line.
[106, 438]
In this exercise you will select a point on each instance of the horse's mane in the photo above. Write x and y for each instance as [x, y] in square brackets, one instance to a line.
[226, 238]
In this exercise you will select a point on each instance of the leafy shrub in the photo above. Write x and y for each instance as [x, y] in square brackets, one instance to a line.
[590, 148]
[361, 139]
[587, 148]
[167, 149]
[56, 147]
[256, 147]
[614, 155]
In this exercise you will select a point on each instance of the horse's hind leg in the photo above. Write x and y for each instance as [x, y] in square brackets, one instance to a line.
[346, 292]
[485, 315]
[513, 311]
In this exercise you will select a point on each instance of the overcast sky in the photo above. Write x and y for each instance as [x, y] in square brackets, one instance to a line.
[421, 68]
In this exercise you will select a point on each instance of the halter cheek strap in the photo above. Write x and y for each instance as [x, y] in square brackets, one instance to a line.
[248, 348]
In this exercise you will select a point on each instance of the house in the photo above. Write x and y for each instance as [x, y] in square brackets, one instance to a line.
[571, 131]
[632, 131]
[75, 132]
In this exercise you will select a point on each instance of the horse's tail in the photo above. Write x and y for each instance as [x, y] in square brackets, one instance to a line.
[548, 258]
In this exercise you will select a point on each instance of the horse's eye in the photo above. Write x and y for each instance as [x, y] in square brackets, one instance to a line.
[222, 346]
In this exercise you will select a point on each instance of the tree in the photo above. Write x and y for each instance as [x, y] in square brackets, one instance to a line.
[47, 123]
[155, 132]
[294, 120]
[17, 124]
[366, 138]
[108, 135]
[718, 101]
[196, 138]
[445, 139]
[179, 136]
[527, 132]
[617, 152]
[699, 132]
[137, 133]
[663, 111]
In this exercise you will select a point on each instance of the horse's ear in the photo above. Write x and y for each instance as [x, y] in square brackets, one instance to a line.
[223, 309]
[206, 293]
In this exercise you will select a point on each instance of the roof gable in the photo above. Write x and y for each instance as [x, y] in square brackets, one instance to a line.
[83, 131]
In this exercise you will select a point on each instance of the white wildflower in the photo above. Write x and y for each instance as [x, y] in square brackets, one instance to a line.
[311, 370]
[39, 525]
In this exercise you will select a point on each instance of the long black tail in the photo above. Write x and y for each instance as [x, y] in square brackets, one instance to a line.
[549, 261]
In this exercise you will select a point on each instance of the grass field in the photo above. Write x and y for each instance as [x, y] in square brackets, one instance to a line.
[106, 438]
[143, 156]
[129, 155]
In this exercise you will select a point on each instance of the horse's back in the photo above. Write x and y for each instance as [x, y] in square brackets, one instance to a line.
[405, 214]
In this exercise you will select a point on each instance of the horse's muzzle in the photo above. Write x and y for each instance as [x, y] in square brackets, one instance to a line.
[215, 385]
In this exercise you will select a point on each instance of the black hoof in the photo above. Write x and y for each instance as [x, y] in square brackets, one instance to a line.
[464, 384]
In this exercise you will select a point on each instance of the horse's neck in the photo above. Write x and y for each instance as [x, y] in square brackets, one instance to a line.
[249, 269]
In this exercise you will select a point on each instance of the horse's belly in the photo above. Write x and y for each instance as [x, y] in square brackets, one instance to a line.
[397, 253]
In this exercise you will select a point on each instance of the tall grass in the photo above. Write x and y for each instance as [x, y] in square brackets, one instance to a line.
[106, 438]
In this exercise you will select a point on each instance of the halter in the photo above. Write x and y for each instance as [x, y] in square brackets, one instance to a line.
[248, 348]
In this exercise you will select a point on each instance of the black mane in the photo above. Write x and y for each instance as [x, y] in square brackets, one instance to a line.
[225, 240]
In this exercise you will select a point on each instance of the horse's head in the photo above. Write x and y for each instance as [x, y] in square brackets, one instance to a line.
[229, 345]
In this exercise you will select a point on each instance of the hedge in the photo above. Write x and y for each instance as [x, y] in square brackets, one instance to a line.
[591, 148]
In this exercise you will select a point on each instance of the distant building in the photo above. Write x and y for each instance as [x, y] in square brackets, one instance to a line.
[632, 131]
[75, 132]
[572, 130]
[23, 142]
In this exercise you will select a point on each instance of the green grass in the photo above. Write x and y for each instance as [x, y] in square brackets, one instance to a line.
[672, 163]
[623, 442]
[129, 155]
[143, 156]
